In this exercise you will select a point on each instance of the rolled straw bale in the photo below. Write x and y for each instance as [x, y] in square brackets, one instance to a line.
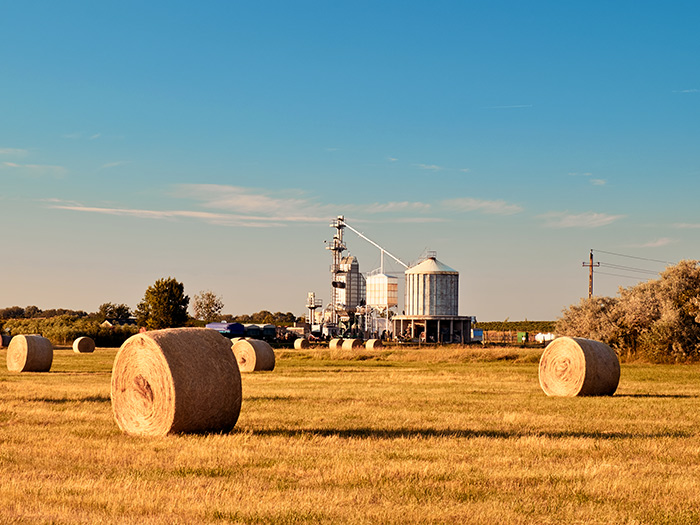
[371, 344]
[29, 353]
[234, 340]
[176, 380]
[301, 343]
[254, 355]
[350, 344]
[335, 344]
[573, 366]
[83, 345]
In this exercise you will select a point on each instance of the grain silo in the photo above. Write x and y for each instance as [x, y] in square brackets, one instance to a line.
[382, 291]
[432, 305]
[432, 288]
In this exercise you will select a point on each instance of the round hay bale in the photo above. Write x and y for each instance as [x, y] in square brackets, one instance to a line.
[29, 353]
[351, 344]
[573, 366]
[335, 344]
[234, 340]
[83, 345]
[254, 355]
[175, 381]
[301, 343]
[371, 344]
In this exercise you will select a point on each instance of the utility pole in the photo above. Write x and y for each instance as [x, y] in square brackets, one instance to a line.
[590, 266]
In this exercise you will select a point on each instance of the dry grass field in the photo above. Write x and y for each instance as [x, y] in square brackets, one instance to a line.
[391, 436]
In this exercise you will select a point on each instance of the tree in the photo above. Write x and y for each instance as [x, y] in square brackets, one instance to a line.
[207, 306]
[113, 311]
[13, 312]
[164, 305]
[32, 311]
[658, 319]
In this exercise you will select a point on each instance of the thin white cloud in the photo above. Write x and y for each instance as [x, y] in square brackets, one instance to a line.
[465, 170]
[95, 136]
[578, 220]
[599, 182]
[658, 243]
[497, 207]
[687, 91]
[114, 164]
[392, 159]
[35, 170]
[687, 225]
[13, 152]
[431, 167]
[513, 106]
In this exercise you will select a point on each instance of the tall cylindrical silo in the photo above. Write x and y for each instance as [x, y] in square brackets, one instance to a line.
[432, 288]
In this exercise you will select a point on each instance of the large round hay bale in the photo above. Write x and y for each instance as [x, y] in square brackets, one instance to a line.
[301, 343]
[254, 355]
[573, 366]
[371, 344]
[83, 345]
[351, 344]
[174, 381]
[29, 353]
[335, 344]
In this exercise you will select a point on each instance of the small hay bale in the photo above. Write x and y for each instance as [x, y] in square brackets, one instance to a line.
[176, 380]
[371, 344]
[29, 353]
[573, 366]
[254, 355]
[351, 344]
[335, 344]
[83, 345]
[301, 343]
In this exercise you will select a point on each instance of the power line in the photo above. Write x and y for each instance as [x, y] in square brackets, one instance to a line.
[618, 275]
[634, 257]
[628, 268]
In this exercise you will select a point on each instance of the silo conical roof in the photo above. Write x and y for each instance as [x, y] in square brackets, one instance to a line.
[431, 265]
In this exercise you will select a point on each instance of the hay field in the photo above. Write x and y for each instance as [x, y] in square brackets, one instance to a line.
[391, 436]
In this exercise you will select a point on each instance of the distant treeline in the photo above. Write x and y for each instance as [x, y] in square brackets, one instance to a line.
[263, 317]
[517, 326]
[64, 329]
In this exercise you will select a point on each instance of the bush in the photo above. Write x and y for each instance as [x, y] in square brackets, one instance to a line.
[658, 320]
[64, 329]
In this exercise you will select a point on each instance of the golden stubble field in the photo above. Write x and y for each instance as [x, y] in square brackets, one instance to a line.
[393, 436]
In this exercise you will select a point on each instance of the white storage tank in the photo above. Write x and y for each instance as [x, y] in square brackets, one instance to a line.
[432, 288]
[382, 291]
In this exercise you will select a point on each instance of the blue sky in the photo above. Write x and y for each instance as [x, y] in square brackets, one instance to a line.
[214, 141]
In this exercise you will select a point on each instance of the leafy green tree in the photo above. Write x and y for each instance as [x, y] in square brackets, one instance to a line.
[32, 311]
[207, 306]
[164, 305]
[13, 312]
[113, 311]
[658, 319]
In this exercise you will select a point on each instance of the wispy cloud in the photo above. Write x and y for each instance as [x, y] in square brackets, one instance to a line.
[114, 164]
[687, 225]
[658, 243]
[34, 170]
[95, 136]
[512, 106]
[578, 220]
[497, 207]
[392, 159]
[431, 167]
[13, 152]
[598, 182]
[687, 91]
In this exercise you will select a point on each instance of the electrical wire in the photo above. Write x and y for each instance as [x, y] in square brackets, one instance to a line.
[628, 268]
[618, 275]
[634, 257]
